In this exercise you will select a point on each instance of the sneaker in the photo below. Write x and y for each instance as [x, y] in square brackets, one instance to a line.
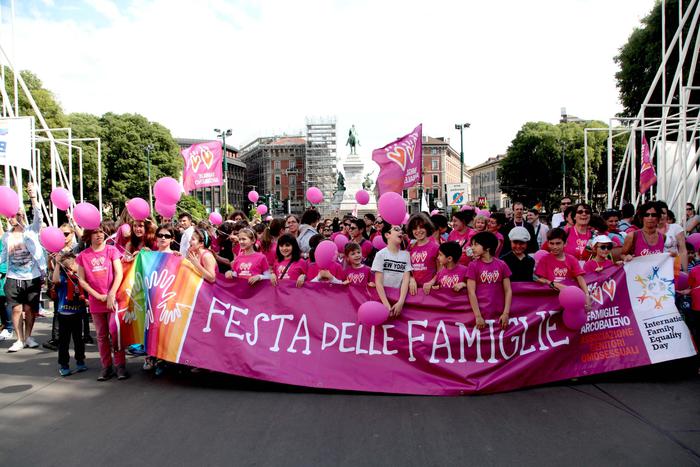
[88, 340]
[50, 345]
[31, 343]
[64, 371]
[122, 374]
[17, 346]
[6, 335]
[136, 350]
[80, 367]
[105, 374]
[148, 365]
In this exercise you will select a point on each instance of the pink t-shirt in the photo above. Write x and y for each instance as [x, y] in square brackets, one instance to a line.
[336, 269]
[293, 272]
[576, 243]
[463, 239]
[591, 265]
[99, 272]
[694, 283]
[250, 265]
[358, 277]
[489, 285]
[424, 261]
[448, 278]
[499, 248]
[271, 254]
[642, 247]
[552, 269]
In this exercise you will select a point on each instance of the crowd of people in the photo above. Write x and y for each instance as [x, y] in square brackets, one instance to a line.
[472, 252]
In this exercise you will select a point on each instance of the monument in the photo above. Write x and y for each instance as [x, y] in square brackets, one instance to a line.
[353, 170]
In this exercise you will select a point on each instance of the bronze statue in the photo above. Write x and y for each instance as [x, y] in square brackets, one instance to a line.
[352, 140]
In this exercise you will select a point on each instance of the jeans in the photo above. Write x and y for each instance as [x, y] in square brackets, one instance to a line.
[70, 326]
[108, 340]
[6, 315]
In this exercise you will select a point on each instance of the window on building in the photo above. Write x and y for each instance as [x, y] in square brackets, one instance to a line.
[433, 151]
[436, 193]
[436, 179]
[292, 181]
[405, 194]
[436, 164]
[277, 165]
[278, 180]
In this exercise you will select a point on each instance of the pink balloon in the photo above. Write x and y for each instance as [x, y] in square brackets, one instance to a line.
[694, 239]
[366, 249]
[340, 241]
[52, 239]
[9, 201]
[325, 254]
[268, 219]
[392, 208]
[467, 207]
[314, 195]
[372, 313]
[573, 300]
[61, 198]
[434, 211]
[215, 218]
[253, 196]
[406, 218]
[483, 212]
[138, 208]
[87, 216]
[362, 197]
[378, 242]
[125, 229]
[539, 254]
[167, 190]
[261, 209]
[574, 318]
[164, 209]
[682, 281]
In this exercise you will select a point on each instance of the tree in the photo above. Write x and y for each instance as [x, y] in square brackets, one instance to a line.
[85, 125]
[192, 206]
[640, 58]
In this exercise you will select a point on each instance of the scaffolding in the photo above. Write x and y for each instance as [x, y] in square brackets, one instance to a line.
[321, 159]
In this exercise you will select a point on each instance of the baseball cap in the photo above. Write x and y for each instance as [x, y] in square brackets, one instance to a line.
[519, 234]
[601, 239]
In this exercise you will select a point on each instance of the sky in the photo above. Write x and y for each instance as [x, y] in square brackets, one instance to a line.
[263, 67]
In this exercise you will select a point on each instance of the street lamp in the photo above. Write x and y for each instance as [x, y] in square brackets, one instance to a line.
[148, 149]
[223, 134]
[460, 127]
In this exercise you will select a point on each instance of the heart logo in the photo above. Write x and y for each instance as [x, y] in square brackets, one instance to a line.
[195, 161]
[207, 157]
[490, 277]
[398, 156]
[609, 288]
[597, 295]
[356, 278]
[419, 256]
[245, 266]
[98, 261]
[560, 272]
[449, 281]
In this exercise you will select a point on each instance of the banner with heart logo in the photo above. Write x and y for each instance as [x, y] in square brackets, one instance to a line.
[203, 166]
[400, 163]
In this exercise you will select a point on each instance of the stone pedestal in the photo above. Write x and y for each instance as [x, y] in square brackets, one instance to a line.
[353, 170]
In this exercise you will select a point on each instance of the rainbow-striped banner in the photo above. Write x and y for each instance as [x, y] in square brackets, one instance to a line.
[156, 300]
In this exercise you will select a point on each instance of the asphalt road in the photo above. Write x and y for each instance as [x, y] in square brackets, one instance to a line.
[640, 417]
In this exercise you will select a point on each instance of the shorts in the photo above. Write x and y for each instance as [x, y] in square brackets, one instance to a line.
[23, 292]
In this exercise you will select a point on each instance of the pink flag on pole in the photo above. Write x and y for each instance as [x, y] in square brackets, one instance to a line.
[647, 175]
[400, 163]
[202, 166]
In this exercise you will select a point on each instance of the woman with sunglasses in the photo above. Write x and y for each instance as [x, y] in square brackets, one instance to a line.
[647, 240]
[378, 226]
[580, 233]
[674, 239]
[164, 238]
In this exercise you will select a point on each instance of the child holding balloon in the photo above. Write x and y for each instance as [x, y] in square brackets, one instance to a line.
[488, 282]
[249, 264]
[392, 268]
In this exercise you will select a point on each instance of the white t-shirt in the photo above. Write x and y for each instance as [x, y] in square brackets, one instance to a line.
[557, 219]
[671, 243]
[392, 266]
[185, 240]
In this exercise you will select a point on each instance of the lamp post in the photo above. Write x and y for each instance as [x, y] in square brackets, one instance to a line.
[148, 149]
[223, 134]
[461, 127]
[563, 168]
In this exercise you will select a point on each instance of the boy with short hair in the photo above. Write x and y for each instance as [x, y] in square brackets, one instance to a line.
[521, 265]
[451, 275]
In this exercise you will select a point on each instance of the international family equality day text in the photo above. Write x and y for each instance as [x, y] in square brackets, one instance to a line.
[311, 337]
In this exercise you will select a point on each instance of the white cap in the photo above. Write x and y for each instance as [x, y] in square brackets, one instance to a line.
[601, 239]
[519, 234]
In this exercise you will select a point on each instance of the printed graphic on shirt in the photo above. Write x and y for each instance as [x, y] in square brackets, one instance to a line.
[396, 266]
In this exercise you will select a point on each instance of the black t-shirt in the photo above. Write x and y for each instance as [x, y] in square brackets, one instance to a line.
[521, 269]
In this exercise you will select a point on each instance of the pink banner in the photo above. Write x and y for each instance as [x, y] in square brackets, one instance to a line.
[203, 166]
[311, 337]
[647, 174]
[400, 163]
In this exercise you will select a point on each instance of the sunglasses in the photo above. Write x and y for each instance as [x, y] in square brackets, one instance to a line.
[583, 211]
[651, 214]
[352, 227]
[67, 234]
[605, 246]
[566, 203]
[346, 225]
[168, 236]
[379, 223]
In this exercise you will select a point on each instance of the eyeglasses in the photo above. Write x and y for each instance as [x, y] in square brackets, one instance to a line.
[67, 234]
[651, 214]
[167, 236]
[605, 246]
[583, 211]
[346, 225]
[352, 227]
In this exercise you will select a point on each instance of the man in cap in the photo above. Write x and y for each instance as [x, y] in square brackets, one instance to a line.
[520, 263]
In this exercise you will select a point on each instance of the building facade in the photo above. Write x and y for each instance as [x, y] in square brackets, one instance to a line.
[484, 183]
[276, 169]
[441, 166]
[213, 197]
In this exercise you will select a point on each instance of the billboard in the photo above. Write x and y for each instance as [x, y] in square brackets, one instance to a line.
[16, 142]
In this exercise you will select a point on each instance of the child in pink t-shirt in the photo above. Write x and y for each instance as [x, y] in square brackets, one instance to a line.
[602, 246]
[356, 273]
[451, 275]
[100, 273]
[488, 282]
[423, 251]
[557, 266]
[249, 264]
[333, 274]
[289, 265]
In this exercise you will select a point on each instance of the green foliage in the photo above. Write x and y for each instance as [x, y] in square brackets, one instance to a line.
[192, 206]
[640, 58]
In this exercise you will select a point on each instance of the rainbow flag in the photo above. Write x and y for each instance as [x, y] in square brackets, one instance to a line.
[156, 300]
